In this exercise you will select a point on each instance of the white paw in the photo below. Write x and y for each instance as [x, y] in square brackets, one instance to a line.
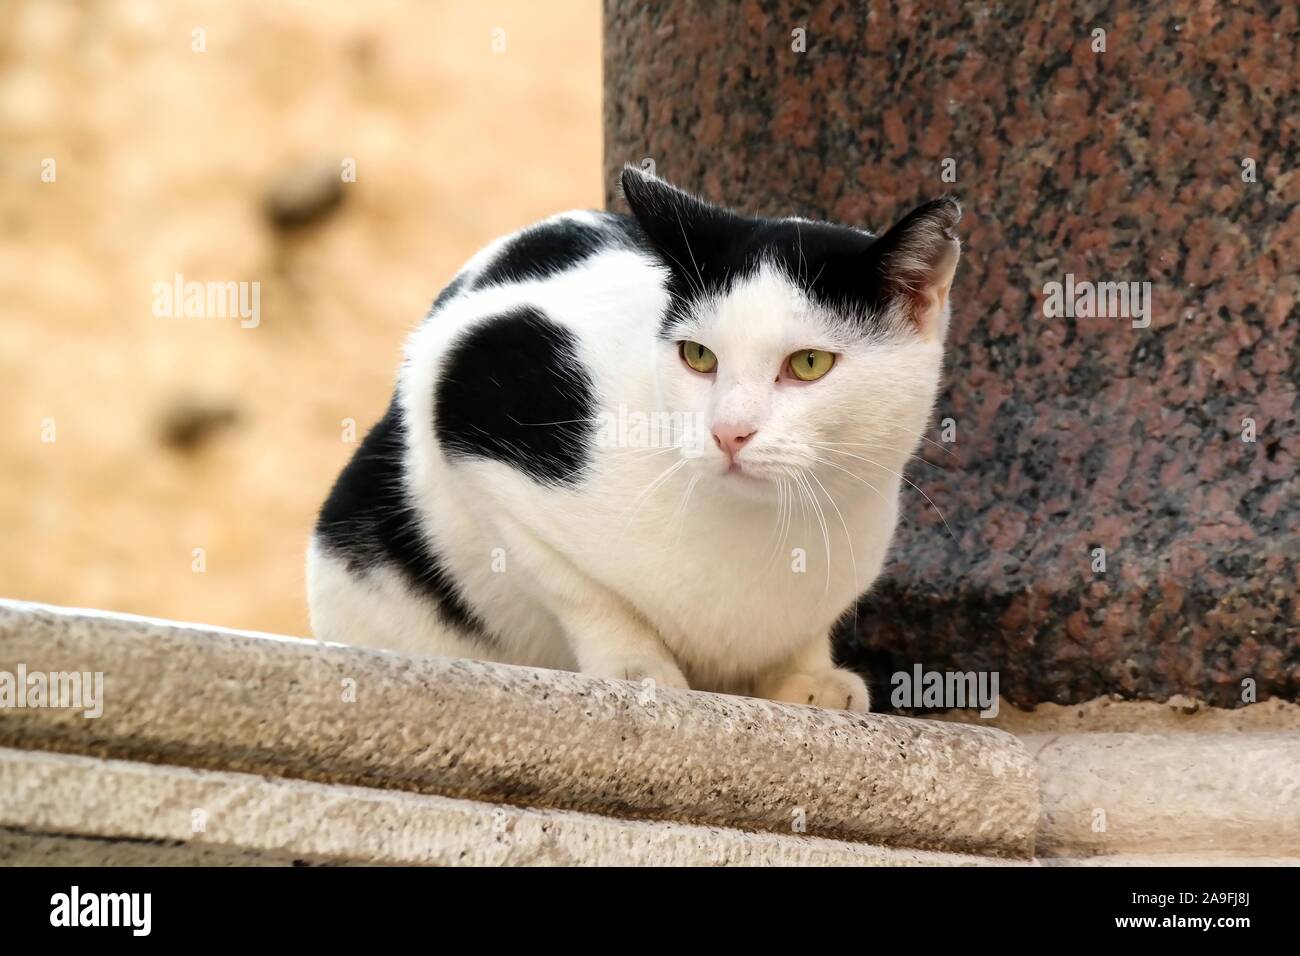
[639, 669]
[837, 689]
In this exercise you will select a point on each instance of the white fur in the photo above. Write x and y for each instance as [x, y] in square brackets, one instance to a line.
[661, 565]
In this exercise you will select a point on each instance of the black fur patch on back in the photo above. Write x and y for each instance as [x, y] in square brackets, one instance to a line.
[512, 390]
[548, 248]
[368, 521]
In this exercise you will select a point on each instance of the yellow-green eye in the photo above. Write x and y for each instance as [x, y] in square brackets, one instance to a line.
[809, 365]
[698, 357]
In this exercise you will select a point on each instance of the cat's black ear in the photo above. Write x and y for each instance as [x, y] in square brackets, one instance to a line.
[689, 231]
[916, 260]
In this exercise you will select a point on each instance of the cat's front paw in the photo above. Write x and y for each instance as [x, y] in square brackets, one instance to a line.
[639, 669]
[837, 689]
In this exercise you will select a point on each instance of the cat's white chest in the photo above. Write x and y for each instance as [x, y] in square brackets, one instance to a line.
[729, 586]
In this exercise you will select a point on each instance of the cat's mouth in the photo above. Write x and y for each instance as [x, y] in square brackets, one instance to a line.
[760, 475]
[742, 473]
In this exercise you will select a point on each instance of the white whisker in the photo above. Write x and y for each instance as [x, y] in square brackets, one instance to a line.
[903, 478]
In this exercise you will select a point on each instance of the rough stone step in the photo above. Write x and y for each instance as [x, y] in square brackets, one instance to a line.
[73, 810]
[1231, 794]
[209, 698]
[296, 750]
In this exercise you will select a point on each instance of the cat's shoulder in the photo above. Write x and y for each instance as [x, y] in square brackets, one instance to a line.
[520, 265]
[552, 246]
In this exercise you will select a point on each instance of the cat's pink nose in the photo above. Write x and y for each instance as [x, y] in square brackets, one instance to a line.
[731, 438]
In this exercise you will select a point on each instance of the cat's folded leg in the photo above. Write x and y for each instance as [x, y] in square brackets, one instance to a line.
[811, 678]
[606, 635]
[609, 639]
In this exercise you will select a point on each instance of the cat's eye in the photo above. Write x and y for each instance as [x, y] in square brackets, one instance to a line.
[808, 365]
[698, 357]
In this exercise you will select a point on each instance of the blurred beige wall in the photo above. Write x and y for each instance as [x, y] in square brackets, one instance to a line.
[163, 157]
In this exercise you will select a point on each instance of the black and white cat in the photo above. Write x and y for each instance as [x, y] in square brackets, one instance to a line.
[663, 446]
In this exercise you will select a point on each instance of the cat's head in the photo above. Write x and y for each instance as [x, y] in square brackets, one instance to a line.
[798, 346]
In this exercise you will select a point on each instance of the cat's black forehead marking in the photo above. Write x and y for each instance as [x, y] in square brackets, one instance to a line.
[552, 247]
[368, 522]
[824, 260]
[513, 390]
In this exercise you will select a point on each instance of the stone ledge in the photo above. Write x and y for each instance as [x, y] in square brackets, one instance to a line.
[1170, 859]
[1178, 714]
[439, 761]
[1234, 794]
[59, 808]
[208, 698]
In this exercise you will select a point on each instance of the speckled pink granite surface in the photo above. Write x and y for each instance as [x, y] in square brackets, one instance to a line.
[1071, 433]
